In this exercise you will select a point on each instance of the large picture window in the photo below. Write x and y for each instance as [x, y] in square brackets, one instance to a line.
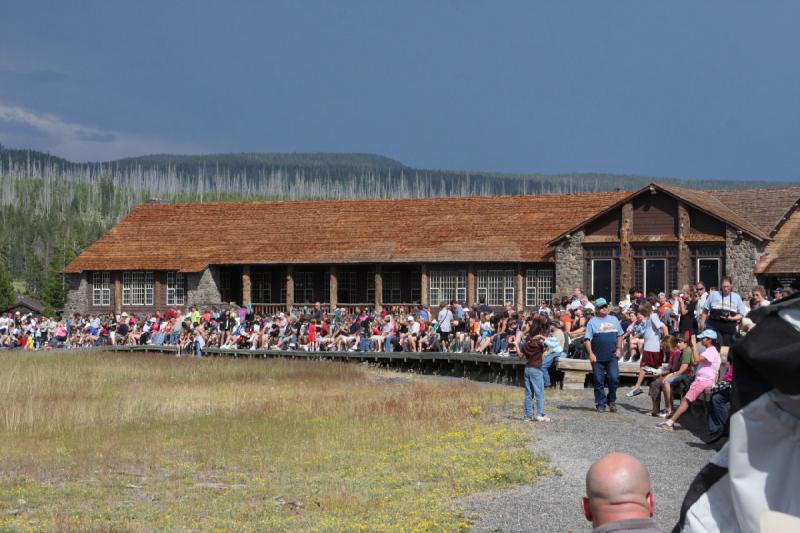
[538, 286]
[347, 287]
[101, 289]
[391, 288]
[137, 288]
[176, 292]
[447, 285]
[496, 286]
[304, 287]
[261, 286]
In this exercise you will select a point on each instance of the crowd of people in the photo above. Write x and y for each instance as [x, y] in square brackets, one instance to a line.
[675, 339]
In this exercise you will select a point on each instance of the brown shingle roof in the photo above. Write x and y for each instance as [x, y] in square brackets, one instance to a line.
[188, 237]
[782, 255]
[763, 207]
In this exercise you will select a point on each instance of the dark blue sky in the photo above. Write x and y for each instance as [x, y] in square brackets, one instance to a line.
[686, 89]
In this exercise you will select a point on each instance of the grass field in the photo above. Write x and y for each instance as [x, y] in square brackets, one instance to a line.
[124, 442]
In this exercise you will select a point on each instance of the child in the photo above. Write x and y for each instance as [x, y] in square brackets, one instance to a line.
[705, 375]
[313, 345]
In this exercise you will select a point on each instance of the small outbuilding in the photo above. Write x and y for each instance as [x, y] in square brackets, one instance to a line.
[25, 305]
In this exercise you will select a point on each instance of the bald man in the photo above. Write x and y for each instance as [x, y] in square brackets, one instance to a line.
[618, 495]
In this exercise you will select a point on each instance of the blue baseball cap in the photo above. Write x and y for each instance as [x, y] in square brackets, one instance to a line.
[600, 302]
[708, 334]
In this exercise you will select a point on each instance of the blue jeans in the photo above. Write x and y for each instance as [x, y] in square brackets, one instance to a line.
[365, 345]
[387, 344]
[534, 386]
[718, 414]
[198, 349]
[600, 371]
[547, 363]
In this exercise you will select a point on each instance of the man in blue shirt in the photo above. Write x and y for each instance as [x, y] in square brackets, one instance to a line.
[723, 311]
[603, 342]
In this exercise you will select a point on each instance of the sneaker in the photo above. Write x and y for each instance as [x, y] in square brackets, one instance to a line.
[543, 418]
[635, 392]
[612, 407]
[527, 419]
[600, 408]
[665, 414]
[666, 424]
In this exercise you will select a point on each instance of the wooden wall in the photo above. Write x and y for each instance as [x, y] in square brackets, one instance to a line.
[655, 215]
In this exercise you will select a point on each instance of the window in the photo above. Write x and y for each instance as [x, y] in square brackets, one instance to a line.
[538, 286]
[137, 288]
[446, 285]
[101, 288]
[370, 285]
[347, 286]
[391, 288]
[603, 278]
[708, 271]
[304, 287]
[496, 286]
[261, 286]
[655, 276]
[175, 289]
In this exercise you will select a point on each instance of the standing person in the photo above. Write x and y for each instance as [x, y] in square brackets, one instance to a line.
[603, 342]
[723, 311]
[654, 330]
[687, 324]
[533, 351]
[702, 296]
[445, 320]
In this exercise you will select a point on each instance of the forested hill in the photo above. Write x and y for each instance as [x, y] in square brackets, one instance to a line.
[52, 208]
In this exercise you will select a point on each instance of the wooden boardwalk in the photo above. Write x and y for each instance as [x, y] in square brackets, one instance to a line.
[570, 373]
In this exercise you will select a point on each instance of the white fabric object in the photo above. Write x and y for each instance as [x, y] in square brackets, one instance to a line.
[763, 461]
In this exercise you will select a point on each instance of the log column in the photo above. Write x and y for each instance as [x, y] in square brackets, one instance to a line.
[626, 249]
[378, 286]
[334, 288]
[519, 288]
[423, 284]
[684, 256]
[472, 291]
[157, 290]
[289, 288]
[117, 292]
[247, 287]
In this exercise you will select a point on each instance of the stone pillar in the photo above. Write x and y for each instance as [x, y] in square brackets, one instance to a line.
[334, 287]
[202, 288]
[289, 288]
[626, 250]
[569, 264]
[472, 290]
[117, 292]
[423, 284]
[78, 297]
[519, 288]
[684, 256]
[742, 253]
[378, 286]
[247, 287]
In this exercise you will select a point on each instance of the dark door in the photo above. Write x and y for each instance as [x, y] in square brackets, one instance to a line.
[708, 272]
[655, 275]
[602, 278]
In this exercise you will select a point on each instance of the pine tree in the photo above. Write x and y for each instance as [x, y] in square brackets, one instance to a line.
[7, 293]
[54, 288]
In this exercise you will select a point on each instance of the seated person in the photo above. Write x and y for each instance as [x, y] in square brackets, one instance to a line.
[707, 362]
[554, 348]
[677, 372]
[719, 413]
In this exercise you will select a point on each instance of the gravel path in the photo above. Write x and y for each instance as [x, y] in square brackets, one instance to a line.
[573, 440]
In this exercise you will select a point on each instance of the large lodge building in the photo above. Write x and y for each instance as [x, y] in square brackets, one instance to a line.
[520, 249]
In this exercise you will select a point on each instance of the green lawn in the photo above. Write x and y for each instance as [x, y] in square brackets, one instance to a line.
[101, 441]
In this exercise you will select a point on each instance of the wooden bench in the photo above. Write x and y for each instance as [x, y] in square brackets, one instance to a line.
[577, 371]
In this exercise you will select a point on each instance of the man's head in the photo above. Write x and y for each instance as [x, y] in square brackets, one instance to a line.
[726, 285]
[601, 306]
[617, 488]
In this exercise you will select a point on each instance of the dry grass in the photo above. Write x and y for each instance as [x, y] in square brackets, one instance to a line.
[94, 441]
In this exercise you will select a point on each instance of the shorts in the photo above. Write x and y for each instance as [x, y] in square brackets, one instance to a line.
[445, 335]
[679, 380]
[652, 359]
[698, 387]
